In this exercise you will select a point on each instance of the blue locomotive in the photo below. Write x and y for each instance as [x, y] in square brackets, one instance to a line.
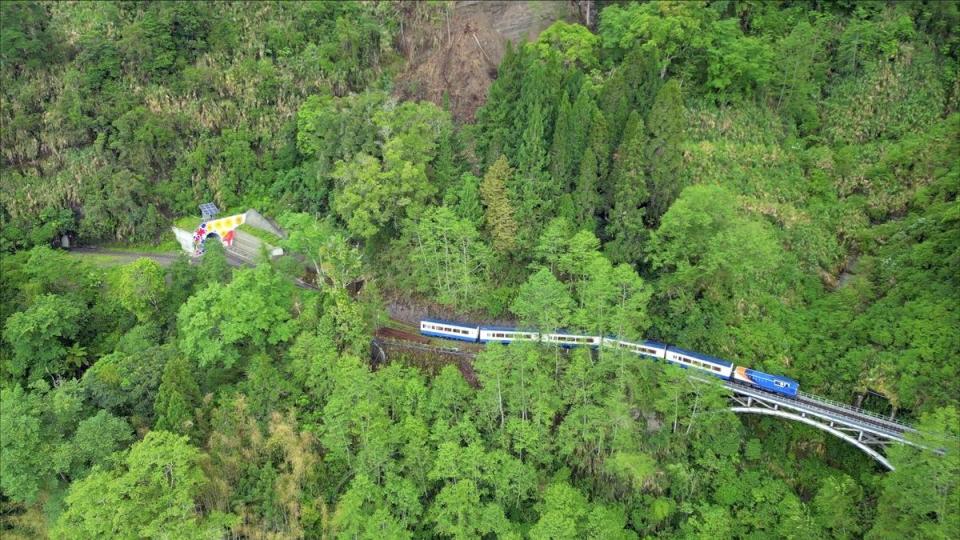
[717, 367]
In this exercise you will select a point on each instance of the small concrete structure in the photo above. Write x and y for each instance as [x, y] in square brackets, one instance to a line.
[237, 242]
[184, 238]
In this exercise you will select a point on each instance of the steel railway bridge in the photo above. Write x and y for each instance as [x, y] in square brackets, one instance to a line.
[869, 432]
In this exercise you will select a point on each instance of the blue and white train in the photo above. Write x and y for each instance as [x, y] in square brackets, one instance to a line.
[717, 367]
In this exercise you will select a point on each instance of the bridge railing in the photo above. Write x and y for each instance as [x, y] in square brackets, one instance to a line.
[855, 410]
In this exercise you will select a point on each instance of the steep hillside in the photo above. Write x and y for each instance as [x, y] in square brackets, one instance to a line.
[463, 45]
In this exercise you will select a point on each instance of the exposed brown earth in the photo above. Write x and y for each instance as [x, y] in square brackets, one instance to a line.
[457, 60]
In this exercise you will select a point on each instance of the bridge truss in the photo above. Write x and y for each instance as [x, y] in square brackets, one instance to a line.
[867, 431]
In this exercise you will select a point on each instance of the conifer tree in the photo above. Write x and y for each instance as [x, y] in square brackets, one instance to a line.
[599, 142]
[581, 121]
[561, 151]
[496, 116]
[629, 194]
[587, 198]
[633, 86]
[532, 156]
[534, 189]
[614, 100]
[642, 78]
[176, 398]
[499, 211]
[664, 157]
[541, 87]
[445, 170]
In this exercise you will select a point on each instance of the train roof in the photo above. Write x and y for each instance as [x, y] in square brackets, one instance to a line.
[782, 377]
[701, 356]
[510, 329]
[450, 323]
[646, 342]
[564, 332]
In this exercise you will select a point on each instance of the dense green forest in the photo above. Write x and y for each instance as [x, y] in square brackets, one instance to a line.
[772, 182]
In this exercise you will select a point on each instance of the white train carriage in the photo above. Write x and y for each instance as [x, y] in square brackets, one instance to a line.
[704, 362]
[646, 347]
[498, 334]
[450, 330]
[571, 340]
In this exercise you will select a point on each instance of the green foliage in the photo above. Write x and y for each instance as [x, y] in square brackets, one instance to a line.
[95, 441]
[836, 506]
[139, 288]
[27, 40]
[500, 220]
[919, 498]
[333, 259]
[670, 29]
[177, 397]
[715, 265]
[892, 99]
[587, 197]
[573, 44]
[26, 455]
[153, 107]
[448, 259]
[625, 220]
[543, 301]
[45, 440]
[374, 192]
[151, 493]
[39, 336]
[737, 63]
[222, 323]
[663, 150]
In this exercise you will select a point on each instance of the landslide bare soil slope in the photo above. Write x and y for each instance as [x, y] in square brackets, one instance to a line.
[453, 54]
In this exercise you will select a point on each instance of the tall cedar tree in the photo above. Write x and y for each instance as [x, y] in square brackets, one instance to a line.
[615, 101]
[562, 152]
[499, 211]
[581, 120]
[540, 89]
[625, 221]
[533, 186]
[664, 157]
[570, 140]
[633, 86]
[599, 143]
[642, 77]
[586, 198]
[493, 119]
